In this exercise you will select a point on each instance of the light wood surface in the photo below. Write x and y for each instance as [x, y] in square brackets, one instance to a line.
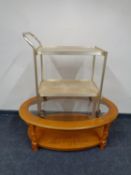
[65, 140]
[79, 88]
[68, 135]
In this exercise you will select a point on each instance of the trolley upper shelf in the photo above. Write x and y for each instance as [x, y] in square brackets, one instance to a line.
[70, 50]
[61, 50]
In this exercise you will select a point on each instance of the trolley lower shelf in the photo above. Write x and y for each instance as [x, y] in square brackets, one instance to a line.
[68, 135]
[79, 88]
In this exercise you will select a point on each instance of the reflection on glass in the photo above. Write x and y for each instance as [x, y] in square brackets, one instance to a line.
[67, 109]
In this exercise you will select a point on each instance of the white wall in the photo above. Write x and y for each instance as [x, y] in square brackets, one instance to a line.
[105, 23]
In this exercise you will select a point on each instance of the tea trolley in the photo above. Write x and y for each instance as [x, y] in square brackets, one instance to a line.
[53, 130]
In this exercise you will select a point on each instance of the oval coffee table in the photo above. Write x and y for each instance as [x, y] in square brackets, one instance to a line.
[67, 135]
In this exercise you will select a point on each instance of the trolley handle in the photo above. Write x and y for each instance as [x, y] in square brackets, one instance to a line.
[28, 36]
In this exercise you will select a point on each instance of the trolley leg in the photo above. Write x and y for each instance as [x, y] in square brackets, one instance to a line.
[37, 83]
[98, 108]
[39, 108]
[94, 101]
[43, 112]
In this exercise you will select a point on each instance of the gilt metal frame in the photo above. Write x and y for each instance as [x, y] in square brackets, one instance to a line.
[39, 51]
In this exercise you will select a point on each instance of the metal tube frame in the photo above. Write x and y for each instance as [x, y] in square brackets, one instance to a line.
[42, 69]
[37, 83]
[93, 67]
[35, 54]
[96, 108]
[102, 80]
[26, 37]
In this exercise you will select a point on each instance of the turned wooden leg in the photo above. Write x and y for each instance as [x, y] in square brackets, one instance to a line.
[103, 139]
[33, 138]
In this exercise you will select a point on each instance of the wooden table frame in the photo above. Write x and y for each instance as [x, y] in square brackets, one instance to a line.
[68, 135]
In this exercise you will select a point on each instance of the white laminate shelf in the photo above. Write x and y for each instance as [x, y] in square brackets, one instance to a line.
[70, 50]
[68, 88]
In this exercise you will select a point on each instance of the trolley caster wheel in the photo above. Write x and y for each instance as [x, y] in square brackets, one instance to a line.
[42, 114]
[98, 113]
[45, 98]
